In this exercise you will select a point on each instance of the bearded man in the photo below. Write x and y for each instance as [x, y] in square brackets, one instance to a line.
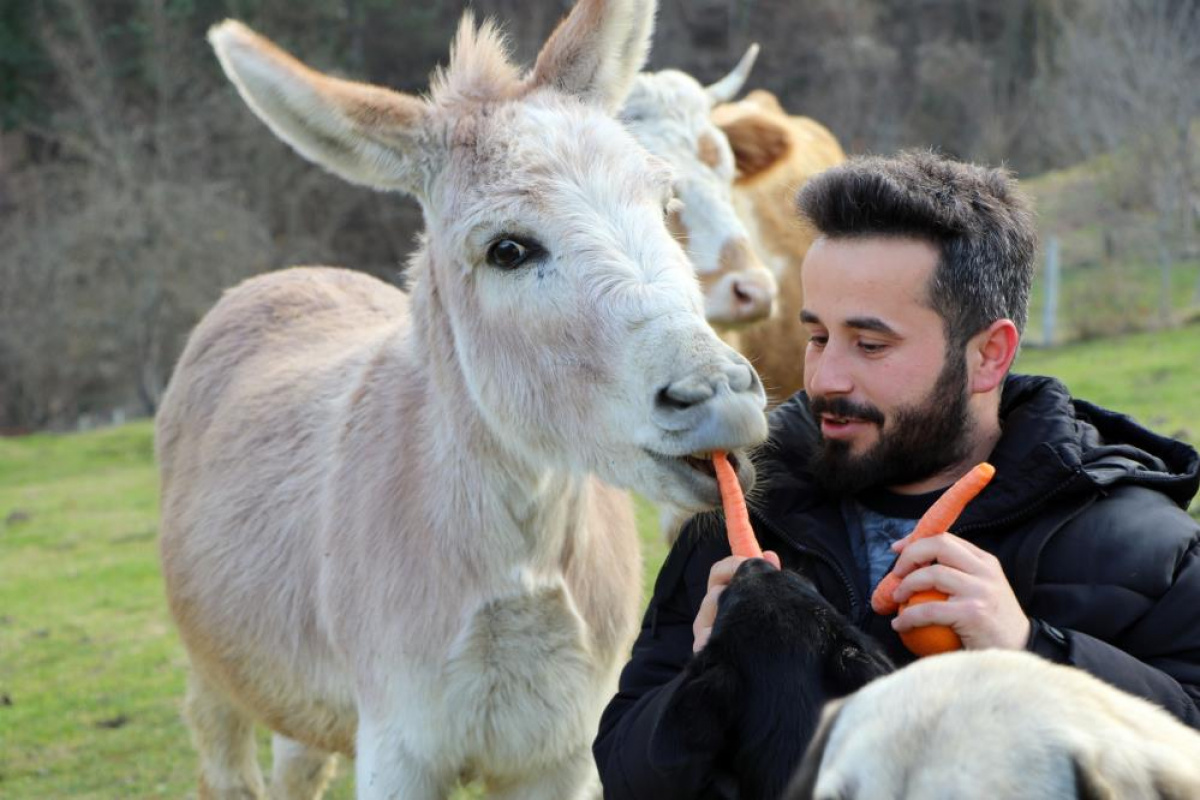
[1080, 550]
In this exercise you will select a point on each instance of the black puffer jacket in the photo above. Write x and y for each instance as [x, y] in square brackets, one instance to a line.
[1086, 515]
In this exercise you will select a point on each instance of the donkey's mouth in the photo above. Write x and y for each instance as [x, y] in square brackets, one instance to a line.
[696, 475]
[702, 462]
[697, 467]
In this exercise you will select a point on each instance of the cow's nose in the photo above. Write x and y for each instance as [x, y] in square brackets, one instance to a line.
[752, 298]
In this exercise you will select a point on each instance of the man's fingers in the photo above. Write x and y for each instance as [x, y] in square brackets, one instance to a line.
[706, 617]
[935, 612]
[722, 571]
[945, 548]
[942, 577]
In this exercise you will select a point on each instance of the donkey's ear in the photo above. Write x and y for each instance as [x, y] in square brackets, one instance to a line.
[597, 51]
[364, 133]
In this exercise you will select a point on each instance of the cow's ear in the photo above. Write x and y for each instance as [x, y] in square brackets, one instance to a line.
[803, 785]
[758, 142]
[698, 716]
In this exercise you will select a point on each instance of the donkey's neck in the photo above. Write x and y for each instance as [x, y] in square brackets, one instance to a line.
[500, 510]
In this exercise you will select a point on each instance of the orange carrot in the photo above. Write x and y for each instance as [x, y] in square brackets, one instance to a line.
[737, 519]
[938, 519]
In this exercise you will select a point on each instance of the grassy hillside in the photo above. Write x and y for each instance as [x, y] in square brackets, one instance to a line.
[1112, 280]
[1154, 377]
[91, 672]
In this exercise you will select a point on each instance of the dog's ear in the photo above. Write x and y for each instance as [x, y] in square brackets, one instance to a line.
[803, 785]
[1090, 783]
[696, 720]
[1164, 779]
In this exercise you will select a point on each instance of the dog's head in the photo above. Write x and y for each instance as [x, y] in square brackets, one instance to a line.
[996, 724]
[750, 699]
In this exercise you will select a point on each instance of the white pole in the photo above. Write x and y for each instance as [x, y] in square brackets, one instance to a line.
[1050, 307]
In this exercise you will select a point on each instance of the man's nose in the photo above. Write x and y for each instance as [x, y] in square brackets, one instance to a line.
[828, 373]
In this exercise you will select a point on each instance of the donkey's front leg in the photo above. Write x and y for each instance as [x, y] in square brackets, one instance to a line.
[573, 778]
[385, 769]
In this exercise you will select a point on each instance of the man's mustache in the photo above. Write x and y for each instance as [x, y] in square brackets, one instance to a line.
[842, 407]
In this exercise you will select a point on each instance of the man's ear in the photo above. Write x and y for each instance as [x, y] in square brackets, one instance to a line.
[990, 353]
[697, 718]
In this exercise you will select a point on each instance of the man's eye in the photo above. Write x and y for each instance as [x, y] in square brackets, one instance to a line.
[510, 253]
[818, 340]
[872, 347]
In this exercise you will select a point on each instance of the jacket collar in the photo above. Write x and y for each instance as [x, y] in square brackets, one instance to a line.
[1051, 446]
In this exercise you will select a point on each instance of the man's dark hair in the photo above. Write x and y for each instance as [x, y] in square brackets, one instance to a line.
[978, 219]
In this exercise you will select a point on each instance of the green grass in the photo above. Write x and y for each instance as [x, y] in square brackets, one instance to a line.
[1154, 377]
[91, 672]
[88, 662]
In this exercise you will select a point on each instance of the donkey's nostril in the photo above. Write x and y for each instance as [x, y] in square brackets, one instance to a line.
[666, 400]
[742, 377]
[685, 393]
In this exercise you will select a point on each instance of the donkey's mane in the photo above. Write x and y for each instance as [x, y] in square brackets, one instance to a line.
[479, 68]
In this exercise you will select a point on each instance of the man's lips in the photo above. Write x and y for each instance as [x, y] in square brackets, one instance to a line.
[834, 427]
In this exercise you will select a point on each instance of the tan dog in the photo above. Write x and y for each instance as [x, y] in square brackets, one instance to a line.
[997, 724]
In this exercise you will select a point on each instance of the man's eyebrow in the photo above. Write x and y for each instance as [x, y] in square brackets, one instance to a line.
[871, 324]
[860, 323]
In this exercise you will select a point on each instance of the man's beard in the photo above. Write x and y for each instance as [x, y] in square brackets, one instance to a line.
[917, 442]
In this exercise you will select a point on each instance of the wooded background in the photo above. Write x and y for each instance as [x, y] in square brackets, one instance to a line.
[135, 185]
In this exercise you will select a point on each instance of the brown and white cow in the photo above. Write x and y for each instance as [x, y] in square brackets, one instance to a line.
[776, 153]
[384, 531]
[669, 113]
[737, 169]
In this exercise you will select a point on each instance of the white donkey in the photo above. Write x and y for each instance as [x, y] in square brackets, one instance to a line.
[668, 112]
[383, 528]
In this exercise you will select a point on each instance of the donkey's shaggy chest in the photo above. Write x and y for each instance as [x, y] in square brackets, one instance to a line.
[519, 679]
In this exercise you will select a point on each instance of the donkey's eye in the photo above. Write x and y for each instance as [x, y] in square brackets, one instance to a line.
[510, 253]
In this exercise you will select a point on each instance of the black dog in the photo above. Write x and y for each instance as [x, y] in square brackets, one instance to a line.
[750, 700]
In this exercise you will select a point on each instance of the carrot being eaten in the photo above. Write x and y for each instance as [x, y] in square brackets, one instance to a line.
[938, 519]
[737, 518]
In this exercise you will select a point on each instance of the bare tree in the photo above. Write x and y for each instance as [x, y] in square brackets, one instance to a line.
[1125, 86]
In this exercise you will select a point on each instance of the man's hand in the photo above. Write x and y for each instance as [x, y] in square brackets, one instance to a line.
[718, 578]
[981, 607]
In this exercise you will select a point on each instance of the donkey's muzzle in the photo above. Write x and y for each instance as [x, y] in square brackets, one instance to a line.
[717, 408]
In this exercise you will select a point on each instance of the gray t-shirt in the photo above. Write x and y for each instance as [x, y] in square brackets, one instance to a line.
[876, 520]
[877, 533]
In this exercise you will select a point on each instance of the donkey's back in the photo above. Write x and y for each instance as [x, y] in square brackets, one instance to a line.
[249, 440]
[287, 338]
